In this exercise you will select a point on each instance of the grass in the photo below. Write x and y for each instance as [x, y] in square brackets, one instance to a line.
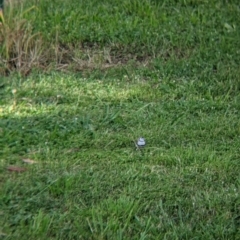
[177, 85]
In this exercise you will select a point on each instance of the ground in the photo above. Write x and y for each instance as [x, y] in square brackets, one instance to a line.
[70, 118]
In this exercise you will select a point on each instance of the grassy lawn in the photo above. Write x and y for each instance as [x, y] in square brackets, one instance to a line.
[102, 75]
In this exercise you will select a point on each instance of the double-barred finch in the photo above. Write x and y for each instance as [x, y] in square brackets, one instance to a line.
[141, 142]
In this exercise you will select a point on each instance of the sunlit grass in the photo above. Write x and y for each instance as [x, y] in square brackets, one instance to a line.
[90, 180]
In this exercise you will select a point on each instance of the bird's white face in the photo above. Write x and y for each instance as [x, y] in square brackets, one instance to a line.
[141, 142]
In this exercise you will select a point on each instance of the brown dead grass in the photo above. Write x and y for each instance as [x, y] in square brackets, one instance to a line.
[22, 50]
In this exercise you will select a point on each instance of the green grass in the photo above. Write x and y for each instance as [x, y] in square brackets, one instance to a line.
[180, 91]
[90, 182]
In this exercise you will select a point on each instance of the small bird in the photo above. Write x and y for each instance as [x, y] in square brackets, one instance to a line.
[141, 142]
